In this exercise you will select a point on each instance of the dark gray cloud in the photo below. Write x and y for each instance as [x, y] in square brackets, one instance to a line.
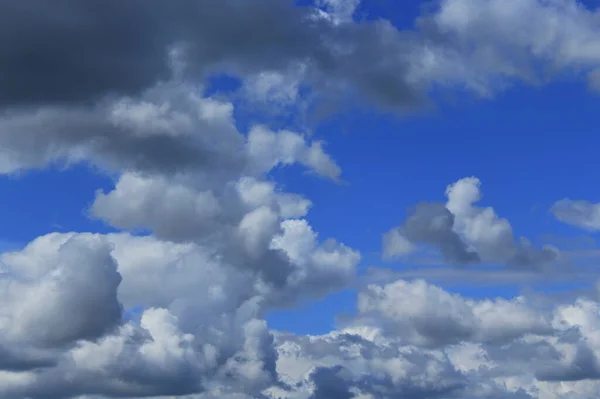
[431, 223]
[18, 359]
[73, 52]
[329, 384]
[584, 366]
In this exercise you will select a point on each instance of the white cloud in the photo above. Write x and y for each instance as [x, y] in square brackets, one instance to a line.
[488, 44]
[485, 348]
[421, 314]
[582, 214]
[56, 300]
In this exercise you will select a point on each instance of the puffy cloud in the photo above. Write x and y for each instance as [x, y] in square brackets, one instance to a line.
[487, 44]
[412, 339]
[425, 315]
[172, 128]
[201, 328]
[56, 300]
[580, 213]
[465, 233]
[429, 224]
[169, 129]
[349, 366]
[228, 245]
[202, 331]
[268, 149]
[193, 336]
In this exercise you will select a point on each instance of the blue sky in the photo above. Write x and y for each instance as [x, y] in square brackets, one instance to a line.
[156, 227]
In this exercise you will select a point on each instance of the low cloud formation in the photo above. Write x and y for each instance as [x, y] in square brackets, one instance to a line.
[201, 326]
[412, 339]
[464, 233]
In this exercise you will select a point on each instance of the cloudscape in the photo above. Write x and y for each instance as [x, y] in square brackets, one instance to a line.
[316, 199]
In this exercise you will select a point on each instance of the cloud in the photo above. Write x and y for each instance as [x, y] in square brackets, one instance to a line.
[192, 333]
[483, 45]
[425, 315]
[60, 299]
[108, 86]
[582, 214]
[483, 348]
[202, 331]
[132, 54]
[464, 233]
[432, 224]
[228, 244]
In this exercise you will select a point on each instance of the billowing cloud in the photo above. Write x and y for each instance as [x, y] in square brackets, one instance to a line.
[412, 339]
[227, 245]
[201, 326]
[55, 300]
[464, 233]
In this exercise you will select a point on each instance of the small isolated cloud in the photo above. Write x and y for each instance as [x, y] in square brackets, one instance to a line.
[465, 233]
[578, 213]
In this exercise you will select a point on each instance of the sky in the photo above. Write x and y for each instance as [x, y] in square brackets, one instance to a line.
[276, 199]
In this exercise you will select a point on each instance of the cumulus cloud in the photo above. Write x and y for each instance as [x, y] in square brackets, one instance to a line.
[486, 45]
[69, 296]
[413, 339]
[201, 329]
[227, 245]
[464, 233]
[578, 213]
[425, 315]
